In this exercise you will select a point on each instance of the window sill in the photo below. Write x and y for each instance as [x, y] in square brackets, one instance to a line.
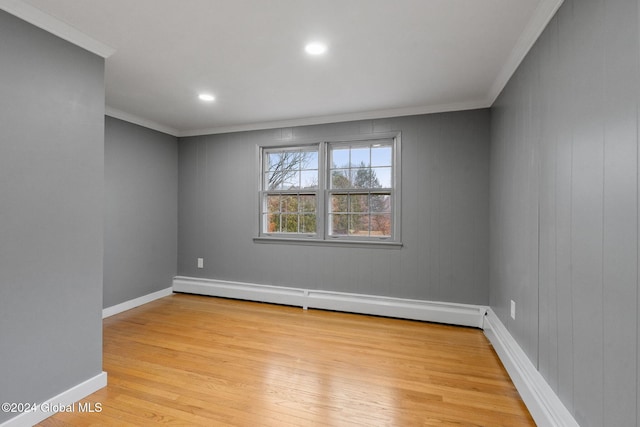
[335, 243]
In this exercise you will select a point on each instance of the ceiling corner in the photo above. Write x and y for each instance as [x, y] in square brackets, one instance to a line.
[541, 17]
[56, 27]
[127, 117]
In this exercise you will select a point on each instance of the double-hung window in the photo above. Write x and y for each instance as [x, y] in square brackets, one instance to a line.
[360, 189]
[341, 191]
[290, 191]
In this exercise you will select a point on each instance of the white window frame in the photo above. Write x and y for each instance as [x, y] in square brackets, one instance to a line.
[264, 192]
[324, 191]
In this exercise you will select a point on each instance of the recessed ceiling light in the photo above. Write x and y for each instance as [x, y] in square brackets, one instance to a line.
[315, 48]
[206, 97]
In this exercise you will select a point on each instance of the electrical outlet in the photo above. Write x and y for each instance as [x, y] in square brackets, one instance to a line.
[200, 262]
[513, 309]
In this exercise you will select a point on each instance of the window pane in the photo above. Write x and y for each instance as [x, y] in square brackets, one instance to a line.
[339, 224]
[359, 225]
[273, 204]
[310, 160]
[339, 158]
[283, 167]
[291, 180]
[362, 178]
[381, 225]
[282, 180]
[291, 160]
[360, 157]
[340, 178]
[272, 223]
[273, 159]
[339, 203]
[307, 204]
[281, 160]
[359, 203]
[381, 177]
[271, 181]
[290, 214]
[309, 179]
[380, 203]
[289, 203]
[289, 223]
[381, 156]
[308, 223]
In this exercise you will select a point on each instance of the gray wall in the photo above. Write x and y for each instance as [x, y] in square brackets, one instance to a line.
[51, 212]
[564, 208]
[141, 211]
[445, 181]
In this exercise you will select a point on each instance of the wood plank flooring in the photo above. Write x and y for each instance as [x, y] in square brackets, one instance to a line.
[193, 360]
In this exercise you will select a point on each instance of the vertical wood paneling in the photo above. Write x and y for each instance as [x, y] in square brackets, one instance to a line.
[636, 86]
[547, 348]
[496, 224]
[587, 219]
[514, 224]
[563, 87]
[573, 102]
[620, 243]
[428, 180]
[409, 260]
[469, 233]
[529, 295]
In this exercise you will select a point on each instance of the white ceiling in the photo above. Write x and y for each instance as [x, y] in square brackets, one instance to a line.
[385, 57]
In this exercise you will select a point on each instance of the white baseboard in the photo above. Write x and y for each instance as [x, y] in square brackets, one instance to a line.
[543, 403]
[440, 312]
[64, 399]
[128, 305]
[430, 311]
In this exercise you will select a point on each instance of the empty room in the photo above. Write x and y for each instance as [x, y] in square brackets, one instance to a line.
[293, 212]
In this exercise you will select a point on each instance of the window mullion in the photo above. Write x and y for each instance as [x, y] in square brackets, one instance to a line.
[322, 207]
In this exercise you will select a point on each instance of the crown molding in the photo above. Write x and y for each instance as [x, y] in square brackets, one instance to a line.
[36, 17]
[541, 17]
[306, 121]
[131, 118]
[337, 118]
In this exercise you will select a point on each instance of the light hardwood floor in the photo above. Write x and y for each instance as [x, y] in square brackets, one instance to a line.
[194, 360]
